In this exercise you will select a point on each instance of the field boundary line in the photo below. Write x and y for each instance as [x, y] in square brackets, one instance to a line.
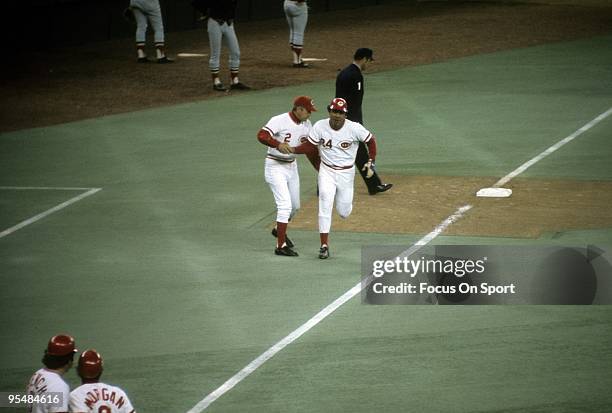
[58, 207]
[552, 149]
[325, 312]
[316, 319]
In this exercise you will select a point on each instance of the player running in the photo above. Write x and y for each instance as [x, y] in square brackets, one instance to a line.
[281, 171]
[337, 139]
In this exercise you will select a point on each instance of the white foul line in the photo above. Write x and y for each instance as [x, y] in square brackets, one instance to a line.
[48, 212]
[550, 150]
[320, 316]
[268, 354]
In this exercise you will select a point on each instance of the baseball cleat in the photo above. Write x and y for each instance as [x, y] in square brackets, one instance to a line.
[301, 65]
[286, 251]
[164, 59]
[287, 240]
[143, 60]
[324, 252]
[381, 188]
[219, 87]
[239, 86]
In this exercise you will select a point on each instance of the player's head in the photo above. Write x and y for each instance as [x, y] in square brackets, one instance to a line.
[303, 106]
[60, 352]
[337, 110]
[90, 366]
[363, 56]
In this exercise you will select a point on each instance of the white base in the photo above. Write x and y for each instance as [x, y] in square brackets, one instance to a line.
[494, 192]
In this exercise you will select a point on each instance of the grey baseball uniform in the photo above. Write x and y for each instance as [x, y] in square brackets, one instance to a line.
[296, 12]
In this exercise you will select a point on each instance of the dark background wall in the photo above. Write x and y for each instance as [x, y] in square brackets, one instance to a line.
[41, 24]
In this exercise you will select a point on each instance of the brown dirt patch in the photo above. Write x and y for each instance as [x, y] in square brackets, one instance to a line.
[417, 203]
[61, 85]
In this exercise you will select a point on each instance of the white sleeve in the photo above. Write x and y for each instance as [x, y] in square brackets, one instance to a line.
[361, 133]
[313, 136]
[272, 126]
[77, 403]
[65, 390]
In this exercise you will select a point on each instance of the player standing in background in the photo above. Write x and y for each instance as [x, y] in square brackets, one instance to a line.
[220, 15]
[93, 396]
[296, 12]
[337, 140]
[145, 12]
[57, 359]
[281, 171]
[350, 87]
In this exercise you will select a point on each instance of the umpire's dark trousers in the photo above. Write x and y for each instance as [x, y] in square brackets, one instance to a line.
[360, 161]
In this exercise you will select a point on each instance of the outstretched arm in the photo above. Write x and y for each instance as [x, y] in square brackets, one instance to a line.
[311, 151]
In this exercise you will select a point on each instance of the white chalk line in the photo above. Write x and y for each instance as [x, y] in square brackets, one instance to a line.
[552, 149]
[320, 316]
[22, 224]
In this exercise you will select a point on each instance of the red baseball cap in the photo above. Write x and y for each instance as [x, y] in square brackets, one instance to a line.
[90, 364]
[306, 102]
[61, 345]
[338, 104]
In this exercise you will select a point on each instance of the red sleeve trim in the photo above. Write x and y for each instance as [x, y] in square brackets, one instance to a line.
[266, 138]
[372, 148]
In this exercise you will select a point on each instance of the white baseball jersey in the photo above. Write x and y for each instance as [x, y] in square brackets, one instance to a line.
[285, 128]
[338, 148]
[47, 381]
[99, 398]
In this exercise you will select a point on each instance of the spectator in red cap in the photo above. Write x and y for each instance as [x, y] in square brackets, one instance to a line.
[57, 360]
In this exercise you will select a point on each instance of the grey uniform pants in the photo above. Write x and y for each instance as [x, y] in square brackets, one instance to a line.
[216, 33]
[145, 12]
[297, 17]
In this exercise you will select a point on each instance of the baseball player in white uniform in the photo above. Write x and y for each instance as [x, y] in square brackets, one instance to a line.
[337, 140]
[145, 12]
[94, 396]
[281, 171]
[57, 359]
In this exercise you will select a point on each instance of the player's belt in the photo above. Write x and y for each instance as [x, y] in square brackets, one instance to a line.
[280, 159]
[337, 167]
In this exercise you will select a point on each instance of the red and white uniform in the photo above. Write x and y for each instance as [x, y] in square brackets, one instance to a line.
[337, 149]
[281, 170]
[99, 398]
[47, 381]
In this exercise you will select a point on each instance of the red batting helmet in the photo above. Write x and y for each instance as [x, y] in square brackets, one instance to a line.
[90, 364]
[338, 104]
[61, 345]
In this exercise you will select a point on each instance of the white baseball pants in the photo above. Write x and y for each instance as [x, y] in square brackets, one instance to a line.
[338, 185]
[284, 182]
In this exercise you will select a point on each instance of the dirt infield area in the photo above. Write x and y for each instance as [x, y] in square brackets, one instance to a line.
[57, 86]
[536, 208]
[61, 85]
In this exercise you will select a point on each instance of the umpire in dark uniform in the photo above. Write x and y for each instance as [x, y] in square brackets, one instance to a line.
[349, 85]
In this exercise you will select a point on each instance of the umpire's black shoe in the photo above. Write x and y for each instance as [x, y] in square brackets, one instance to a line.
[239, 86]
[286, 251]
[324, 252]
[381, 188]
[287, 240]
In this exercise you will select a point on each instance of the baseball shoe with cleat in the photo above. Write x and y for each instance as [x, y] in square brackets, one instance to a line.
[239, 86]
[324, 252]
[219, 87]
[143, 60]
[164, 60]
[301, 65]
[286, 251]
[287, 240]
[381, 188]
